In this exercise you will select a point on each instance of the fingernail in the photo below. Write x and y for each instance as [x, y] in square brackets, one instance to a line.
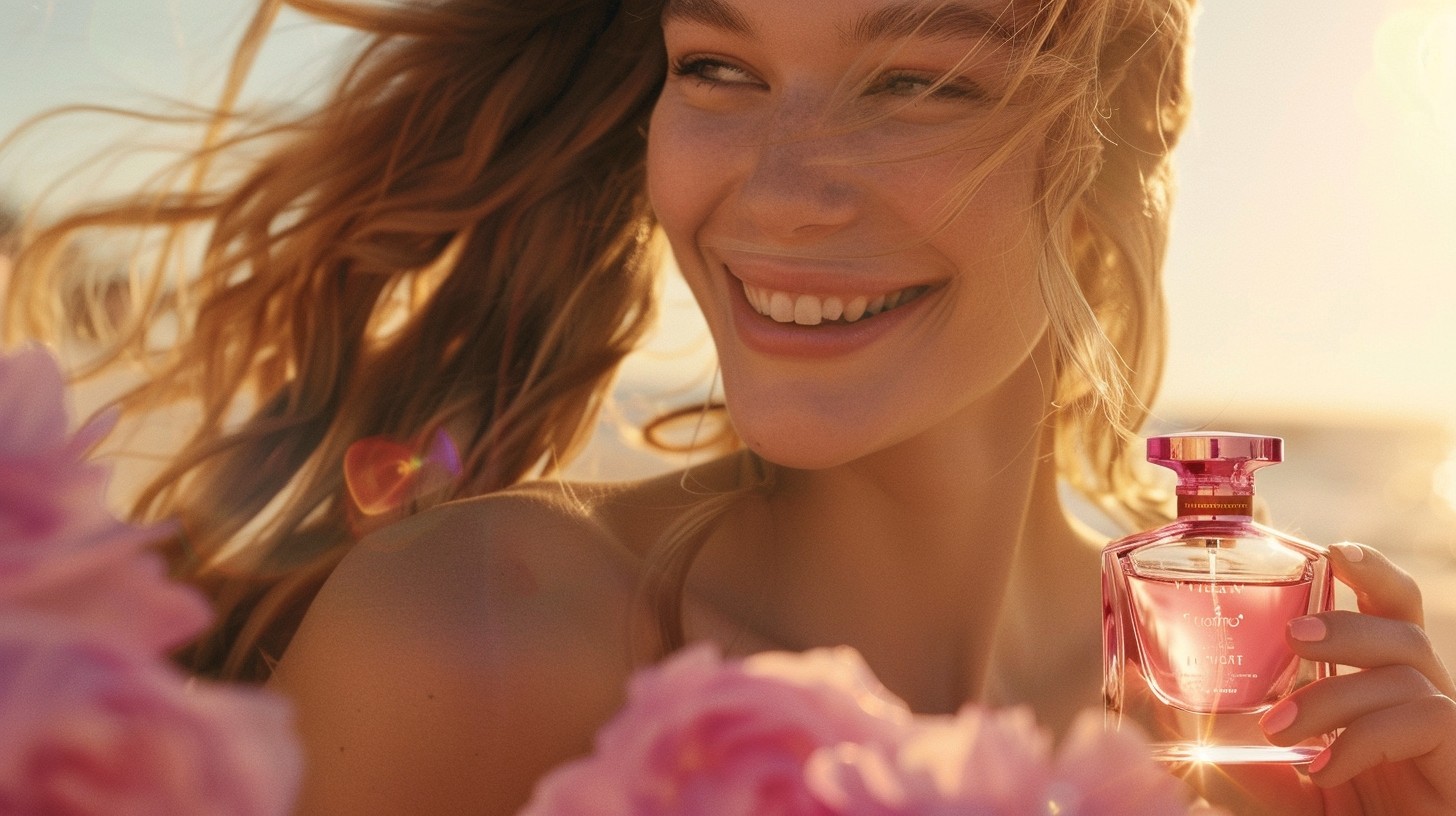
[1353, 553]
[1308, 628]
[1279, 717]
[1320, 761]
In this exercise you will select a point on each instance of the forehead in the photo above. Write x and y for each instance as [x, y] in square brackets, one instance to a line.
[863, 21]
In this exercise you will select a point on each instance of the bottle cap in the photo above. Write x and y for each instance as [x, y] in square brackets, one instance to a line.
[1215, 446]
[1213, 464]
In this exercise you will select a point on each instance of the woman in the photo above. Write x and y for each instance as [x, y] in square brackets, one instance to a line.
[926, 237]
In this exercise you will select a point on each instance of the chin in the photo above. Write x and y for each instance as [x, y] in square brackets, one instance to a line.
[801, 440]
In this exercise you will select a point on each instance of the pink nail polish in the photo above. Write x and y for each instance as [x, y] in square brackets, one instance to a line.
[1308, 629]
[1352, 553]
[1319, 762]
[1279, 717]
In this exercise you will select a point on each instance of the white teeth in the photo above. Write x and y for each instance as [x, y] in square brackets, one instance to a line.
[807, 311]
[833, 308]
[811, 310]
[781, 308]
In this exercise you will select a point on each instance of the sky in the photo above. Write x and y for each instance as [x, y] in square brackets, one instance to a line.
[1313, 256]
[1312, 267]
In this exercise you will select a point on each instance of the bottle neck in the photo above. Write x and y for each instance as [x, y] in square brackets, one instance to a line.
[1210, 503]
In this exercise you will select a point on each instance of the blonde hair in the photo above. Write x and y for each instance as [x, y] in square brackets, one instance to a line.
[460, 239]
[1106, 214]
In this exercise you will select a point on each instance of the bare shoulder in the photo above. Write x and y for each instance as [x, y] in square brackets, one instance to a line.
[453, 658]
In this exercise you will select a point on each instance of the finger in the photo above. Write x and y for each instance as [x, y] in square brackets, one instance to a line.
[1335, 702]
[1381, 588]
[1367, 642]
[1422, 731]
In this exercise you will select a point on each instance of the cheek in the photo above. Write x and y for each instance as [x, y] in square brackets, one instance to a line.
[668, 172]
[996, 312]
[675, 186]
[686, 171]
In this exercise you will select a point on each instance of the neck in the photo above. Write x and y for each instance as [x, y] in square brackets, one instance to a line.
[918, 554]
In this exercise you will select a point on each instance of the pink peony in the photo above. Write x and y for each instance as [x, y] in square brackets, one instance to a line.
[47, 491]
[979, 761]
[109, 580]
[816, 734]
[61, 550]
[93, 719]
[1101, 773]
[88, 727]
[997, 762]
[703, 736]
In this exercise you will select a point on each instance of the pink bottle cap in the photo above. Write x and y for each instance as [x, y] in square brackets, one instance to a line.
[1215, 462]
[1215, 446]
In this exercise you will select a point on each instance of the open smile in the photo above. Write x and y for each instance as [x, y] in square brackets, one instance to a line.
[811, 310]
[817, 315]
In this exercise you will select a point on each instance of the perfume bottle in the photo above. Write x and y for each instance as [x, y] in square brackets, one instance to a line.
[1194, 612]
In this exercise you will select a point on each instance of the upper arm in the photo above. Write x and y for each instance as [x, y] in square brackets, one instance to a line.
[440, 671]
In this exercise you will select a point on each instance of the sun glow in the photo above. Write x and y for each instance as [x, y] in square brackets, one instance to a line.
[1415, 73]
[1443, 482]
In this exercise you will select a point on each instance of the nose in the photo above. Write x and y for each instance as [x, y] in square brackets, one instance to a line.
[799, 185]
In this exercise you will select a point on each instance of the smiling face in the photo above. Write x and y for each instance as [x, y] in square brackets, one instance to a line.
[801, 160]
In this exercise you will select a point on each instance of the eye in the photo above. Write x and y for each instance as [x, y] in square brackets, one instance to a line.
[712, 72]
[917, 85]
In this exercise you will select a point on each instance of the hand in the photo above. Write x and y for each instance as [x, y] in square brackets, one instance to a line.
[1397, 752]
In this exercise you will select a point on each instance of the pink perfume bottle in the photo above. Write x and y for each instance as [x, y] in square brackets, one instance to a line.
[1194, 612]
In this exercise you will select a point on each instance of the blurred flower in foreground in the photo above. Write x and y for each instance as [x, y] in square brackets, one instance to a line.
[814, 734]
[61, 550]
[90, 727]
[93, 717]
[703, 736]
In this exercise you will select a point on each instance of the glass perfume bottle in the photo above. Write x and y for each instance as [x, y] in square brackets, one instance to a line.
[1194, 612]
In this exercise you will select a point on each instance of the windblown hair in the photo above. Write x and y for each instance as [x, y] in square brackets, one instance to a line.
[460, 239]
[480, 163]
[1107, 193]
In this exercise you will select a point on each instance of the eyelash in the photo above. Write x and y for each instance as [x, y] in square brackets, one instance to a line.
[952, 89]
[698, 69]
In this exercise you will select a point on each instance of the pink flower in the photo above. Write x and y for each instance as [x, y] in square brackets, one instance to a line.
[997, 762]
[93, 720]
[1102, 773]
[46, 490]
[703, 736]
[32, 403]
[61, 550]
[88, 727]
[114, 586]
[979, 761]
[815, 734]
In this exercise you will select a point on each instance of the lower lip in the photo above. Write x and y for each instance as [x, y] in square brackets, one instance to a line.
[765, 335]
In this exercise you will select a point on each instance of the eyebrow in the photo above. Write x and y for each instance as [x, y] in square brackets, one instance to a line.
[948, 20]
[711, 13]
